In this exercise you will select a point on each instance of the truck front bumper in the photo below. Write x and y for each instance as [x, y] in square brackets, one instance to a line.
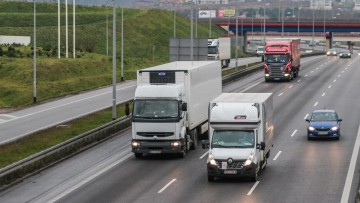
[278, 77]
[158, 146]
[245, 171]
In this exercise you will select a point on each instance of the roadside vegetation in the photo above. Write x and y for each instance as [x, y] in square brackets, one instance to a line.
[146, 37]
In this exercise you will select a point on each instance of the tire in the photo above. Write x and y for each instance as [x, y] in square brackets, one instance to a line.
[138, 155]
[211, 178]
[194, 138]
[254, 178]
[183, 154]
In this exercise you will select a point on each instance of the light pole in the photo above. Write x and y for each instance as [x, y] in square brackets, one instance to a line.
[59, 29]
[237, 34]
[67, 30]
[299, 22]
[313, 42]
[74, 29]
[34, 96]
[282, 23]
[191, 32]
[122, 40]
[175, 22]
[210, 24]
[114, 64]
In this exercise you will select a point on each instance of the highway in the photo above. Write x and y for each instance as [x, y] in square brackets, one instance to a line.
[298, 170]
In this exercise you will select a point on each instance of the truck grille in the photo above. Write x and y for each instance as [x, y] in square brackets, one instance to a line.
[276, 70]
[211, 57]
[237, 164]
[157, 134]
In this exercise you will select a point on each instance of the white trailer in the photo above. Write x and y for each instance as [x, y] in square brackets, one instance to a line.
[170, 106]
[240, 134]
[220, 49]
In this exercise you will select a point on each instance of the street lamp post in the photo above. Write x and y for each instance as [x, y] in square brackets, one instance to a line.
[114, 64]
[313, 42]
[299, 22]
[34, 96]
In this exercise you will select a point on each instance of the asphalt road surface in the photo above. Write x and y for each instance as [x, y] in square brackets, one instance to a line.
[298, 170]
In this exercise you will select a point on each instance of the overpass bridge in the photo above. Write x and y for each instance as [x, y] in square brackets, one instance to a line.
[344, 30]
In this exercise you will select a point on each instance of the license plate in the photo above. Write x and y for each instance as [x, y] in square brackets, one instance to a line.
[230, 172]
[276, 78]
[323, 133]
[155, 152]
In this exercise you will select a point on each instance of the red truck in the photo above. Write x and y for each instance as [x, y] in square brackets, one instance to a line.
[282, 59]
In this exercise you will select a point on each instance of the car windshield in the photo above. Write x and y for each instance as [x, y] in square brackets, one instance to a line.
[156, 108]
[324, 116]
[277, 58]
[233, 138]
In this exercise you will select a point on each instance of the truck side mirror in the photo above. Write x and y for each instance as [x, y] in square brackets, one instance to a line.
[261, 146]
[205, 144]
[184, 106]
[308, 120]
[340, 119]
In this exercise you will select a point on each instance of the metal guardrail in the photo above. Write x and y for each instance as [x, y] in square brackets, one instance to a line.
[37, 162]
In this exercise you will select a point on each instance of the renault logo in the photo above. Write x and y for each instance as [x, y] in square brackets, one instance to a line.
[230, 161]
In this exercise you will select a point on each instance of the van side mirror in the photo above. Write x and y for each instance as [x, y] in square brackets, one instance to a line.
[184, 106]
[261, 146]
[205, 144]
[340, 119]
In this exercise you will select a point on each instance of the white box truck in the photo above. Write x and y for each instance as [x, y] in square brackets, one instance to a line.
[220, 49]
[170, 106]
[240, 134]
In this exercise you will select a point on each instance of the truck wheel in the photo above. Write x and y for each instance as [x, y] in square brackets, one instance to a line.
[211, 178]
[138, 155]
[194, 138]
[183, 154]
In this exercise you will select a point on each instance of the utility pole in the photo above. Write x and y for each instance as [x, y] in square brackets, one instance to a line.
[114, 63]
[34, 96]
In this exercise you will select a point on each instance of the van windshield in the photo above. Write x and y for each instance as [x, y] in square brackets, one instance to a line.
[233, 138]
[156, 109]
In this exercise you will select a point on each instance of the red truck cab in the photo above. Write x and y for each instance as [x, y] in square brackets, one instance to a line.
[282, 59]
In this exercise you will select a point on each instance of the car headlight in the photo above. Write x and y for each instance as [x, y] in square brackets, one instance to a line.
[249, 159]
[211, 160]
[334, 128]
[310, 128]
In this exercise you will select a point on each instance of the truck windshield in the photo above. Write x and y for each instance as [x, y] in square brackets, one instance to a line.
[212, 50]
[277, 58]
[156, 108]
[260, 48]
[233, 138]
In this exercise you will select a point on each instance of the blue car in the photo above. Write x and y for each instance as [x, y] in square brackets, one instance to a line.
[323, 124]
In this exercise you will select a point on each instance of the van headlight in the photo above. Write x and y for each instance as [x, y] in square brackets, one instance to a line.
[211, 160]
[249, 160]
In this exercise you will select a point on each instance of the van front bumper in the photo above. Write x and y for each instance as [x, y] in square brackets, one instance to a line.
[244, 171]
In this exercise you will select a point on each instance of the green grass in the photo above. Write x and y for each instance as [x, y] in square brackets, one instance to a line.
[144, 30]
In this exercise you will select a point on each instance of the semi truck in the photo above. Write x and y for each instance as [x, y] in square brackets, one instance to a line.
[282, 59]
[220, 49]
[241, 135]
[170, 106]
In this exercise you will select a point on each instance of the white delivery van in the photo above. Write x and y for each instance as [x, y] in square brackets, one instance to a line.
[240, 134]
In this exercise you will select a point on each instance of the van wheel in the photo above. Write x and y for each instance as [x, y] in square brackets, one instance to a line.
[211, 178]
[194, 138]
[254, 178]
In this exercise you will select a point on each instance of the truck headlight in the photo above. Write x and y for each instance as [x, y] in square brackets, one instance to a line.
[311, 128]
[211, 160]
[175, 144]
[135, 143]
[334, 128]
[249, 159]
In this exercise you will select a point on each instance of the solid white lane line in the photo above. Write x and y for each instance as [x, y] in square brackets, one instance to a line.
[292, 135]
[316, 103]
[280, 94]
[323, 94]
[253, 188]
[167, 185]
[329, 86]
[351, 171]
[204, 155]
[290, 86]
[306, 116]
[68, 191]
[277, 155]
